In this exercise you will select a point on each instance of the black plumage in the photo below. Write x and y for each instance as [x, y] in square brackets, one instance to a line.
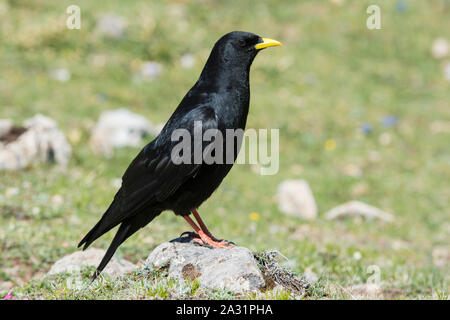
[153, 182]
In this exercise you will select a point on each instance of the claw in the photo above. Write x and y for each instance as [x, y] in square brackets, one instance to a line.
[206, 238]
[223, 244]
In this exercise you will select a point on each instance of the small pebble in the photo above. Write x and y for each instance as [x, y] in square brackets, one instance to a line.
[187, 61]
[61, 75]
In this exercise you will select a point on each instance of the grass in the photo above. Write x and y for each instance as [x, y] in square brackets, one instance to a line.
[331, 76]
[142, 284]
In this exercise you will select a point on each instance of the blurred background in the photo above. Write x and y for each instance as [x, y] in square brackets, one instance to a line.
[363, 115]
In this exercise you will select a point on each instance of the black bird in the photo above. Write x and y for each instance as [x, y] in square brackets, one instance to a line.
[154, 182]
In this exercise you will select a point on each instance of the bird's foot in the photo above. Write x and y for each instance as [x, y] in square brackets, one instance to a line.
[189, 234]
[210, 241]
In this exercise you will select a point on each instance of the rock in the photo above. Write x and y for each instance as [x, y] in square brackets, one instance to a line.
[234, 269]
[61, 74]
[38, 139]
[295, 198]
[5, 126]
[111, 25]
[440, 48]
[120, 128]
[187, 61]
[149, 70]
[91, 257]
[365, 291]
[357, 208]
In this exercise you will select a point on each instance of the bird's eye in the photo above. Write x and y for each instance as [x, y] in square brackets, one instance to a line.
[242, 43]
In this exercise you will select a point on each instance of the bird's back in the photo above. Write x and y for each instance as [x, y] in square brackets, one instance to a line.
[230, 104]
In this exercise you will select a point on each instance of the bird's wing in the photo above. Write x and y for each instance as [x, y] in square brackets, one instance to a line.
[153, 176]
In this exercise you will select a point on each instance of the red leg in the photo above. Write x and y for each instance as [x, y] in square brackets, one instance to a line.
[205, 229]
[201, 223]
[204, 237]
[191, 223]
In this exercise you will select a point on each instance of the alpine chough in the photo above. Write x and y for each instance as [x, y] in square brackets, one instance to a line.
[154, 182]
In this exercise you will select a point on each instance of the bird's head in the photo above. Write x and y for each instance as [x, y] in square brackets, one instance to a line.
[237, 49]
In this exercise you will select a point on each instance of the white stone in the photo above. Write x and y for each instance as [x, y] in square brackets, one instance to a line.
[61, 74]
[91, 257]
[120, 128]
[41, 141]
[5, 126]
[296, 198]
[357, 208]
[365, 291]
[111, 25]
[440, 48]
[187, 61]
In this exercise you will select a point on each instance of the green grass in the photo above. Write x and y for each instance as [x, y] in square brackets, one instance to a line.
[331, 75]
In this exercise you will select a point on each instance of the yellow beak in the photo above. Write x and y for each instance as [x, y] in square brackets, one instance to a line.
[267, 43]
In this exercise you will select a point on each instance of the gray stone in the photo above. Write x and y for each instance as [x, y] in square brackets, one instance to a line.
[295, 198]
[231, 269]
[91, 257]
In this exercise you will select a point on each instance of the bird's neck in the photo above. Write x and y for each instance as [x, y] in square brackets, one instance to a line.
[225, 78]
[228, 89]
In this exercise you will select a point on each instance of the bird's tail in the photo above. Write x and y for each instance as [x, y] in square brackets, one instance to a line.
[120, 237]
[105, 224]
[126, 229]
